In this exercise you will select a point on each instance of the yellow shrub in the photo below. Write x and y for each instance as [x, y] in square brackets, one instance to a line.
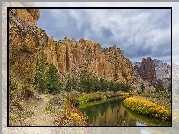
[73, 117]
[147, 107]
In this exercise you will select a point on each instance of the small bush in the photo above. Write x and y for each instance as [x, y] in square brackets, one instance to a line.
[71, 116]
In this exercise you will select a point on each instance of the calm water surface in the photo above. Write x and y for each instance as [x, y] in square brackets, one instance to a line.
[112, 112]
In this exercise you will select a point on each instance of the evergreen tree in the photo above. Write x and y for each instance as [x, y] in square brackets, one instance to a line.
[159, 87]
[111, 86]
[53, 84]
[40, 77]
[103, 85]
[126, 87]
[118, 87]
[96, 84]
[72, 83]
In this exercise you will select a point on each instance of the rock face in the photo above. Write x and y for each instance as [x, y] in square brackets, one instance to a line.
[147, 71]
[30, 16]
[25, 44]
[28, 43]
[154, 71]
[74, 57]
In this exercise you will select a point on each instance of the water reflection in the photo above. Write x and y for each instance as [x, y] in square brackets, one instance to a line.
[113, 113]
[140, 124]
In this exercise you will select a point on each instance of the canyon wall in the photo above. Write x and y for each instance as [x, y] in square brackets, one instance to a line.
[27, 43]
[84, 55]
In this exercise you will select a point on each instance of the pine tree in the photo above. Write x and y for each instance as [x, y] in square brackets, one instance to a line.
[159, 87]
[53, 84]
[40, 77]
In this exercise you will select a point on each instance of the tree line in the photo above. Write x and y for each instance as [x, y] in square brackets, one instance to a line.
[47, 80]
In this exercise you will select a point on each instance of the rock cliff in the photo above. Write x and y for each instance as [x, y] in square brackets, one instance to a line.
[147, 71]
[28, 43]
[154, 71]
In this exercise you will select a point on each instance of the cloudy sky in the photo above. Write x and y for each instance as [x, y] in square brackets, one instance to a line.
[141, 33]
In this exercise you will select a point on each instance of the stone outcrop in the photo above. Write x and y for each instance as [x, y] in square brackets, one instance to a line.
[138, 82]
[154, 70]
[30, 16]
[163, 70]
[147, 71]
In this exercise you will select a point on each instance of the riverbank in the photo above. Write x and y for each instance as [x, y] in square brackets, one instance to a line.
[61, 109]
[146, 106]
[76, 98]
[63, 106]
[69, 115]
[147, 120]
[152, 104]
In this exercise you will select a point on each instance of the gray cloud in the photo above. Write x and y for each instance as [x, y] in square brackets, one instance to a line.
[106, 32]
[140, 33]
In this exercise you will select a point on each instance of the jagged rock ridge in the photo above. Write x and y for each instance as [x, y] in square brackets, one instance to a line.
[69, 56]
[28, 43]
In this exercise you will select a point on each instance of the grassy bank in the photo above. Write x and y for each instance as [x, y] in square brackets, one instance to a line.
[78, 98]
[147, 107]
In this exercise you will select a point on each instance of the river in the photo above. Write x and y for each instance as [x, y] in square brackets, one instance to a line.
[112, 112]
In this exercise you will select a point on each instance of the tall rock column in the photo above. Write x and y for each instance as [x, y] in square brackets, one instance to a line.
[147, 71]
